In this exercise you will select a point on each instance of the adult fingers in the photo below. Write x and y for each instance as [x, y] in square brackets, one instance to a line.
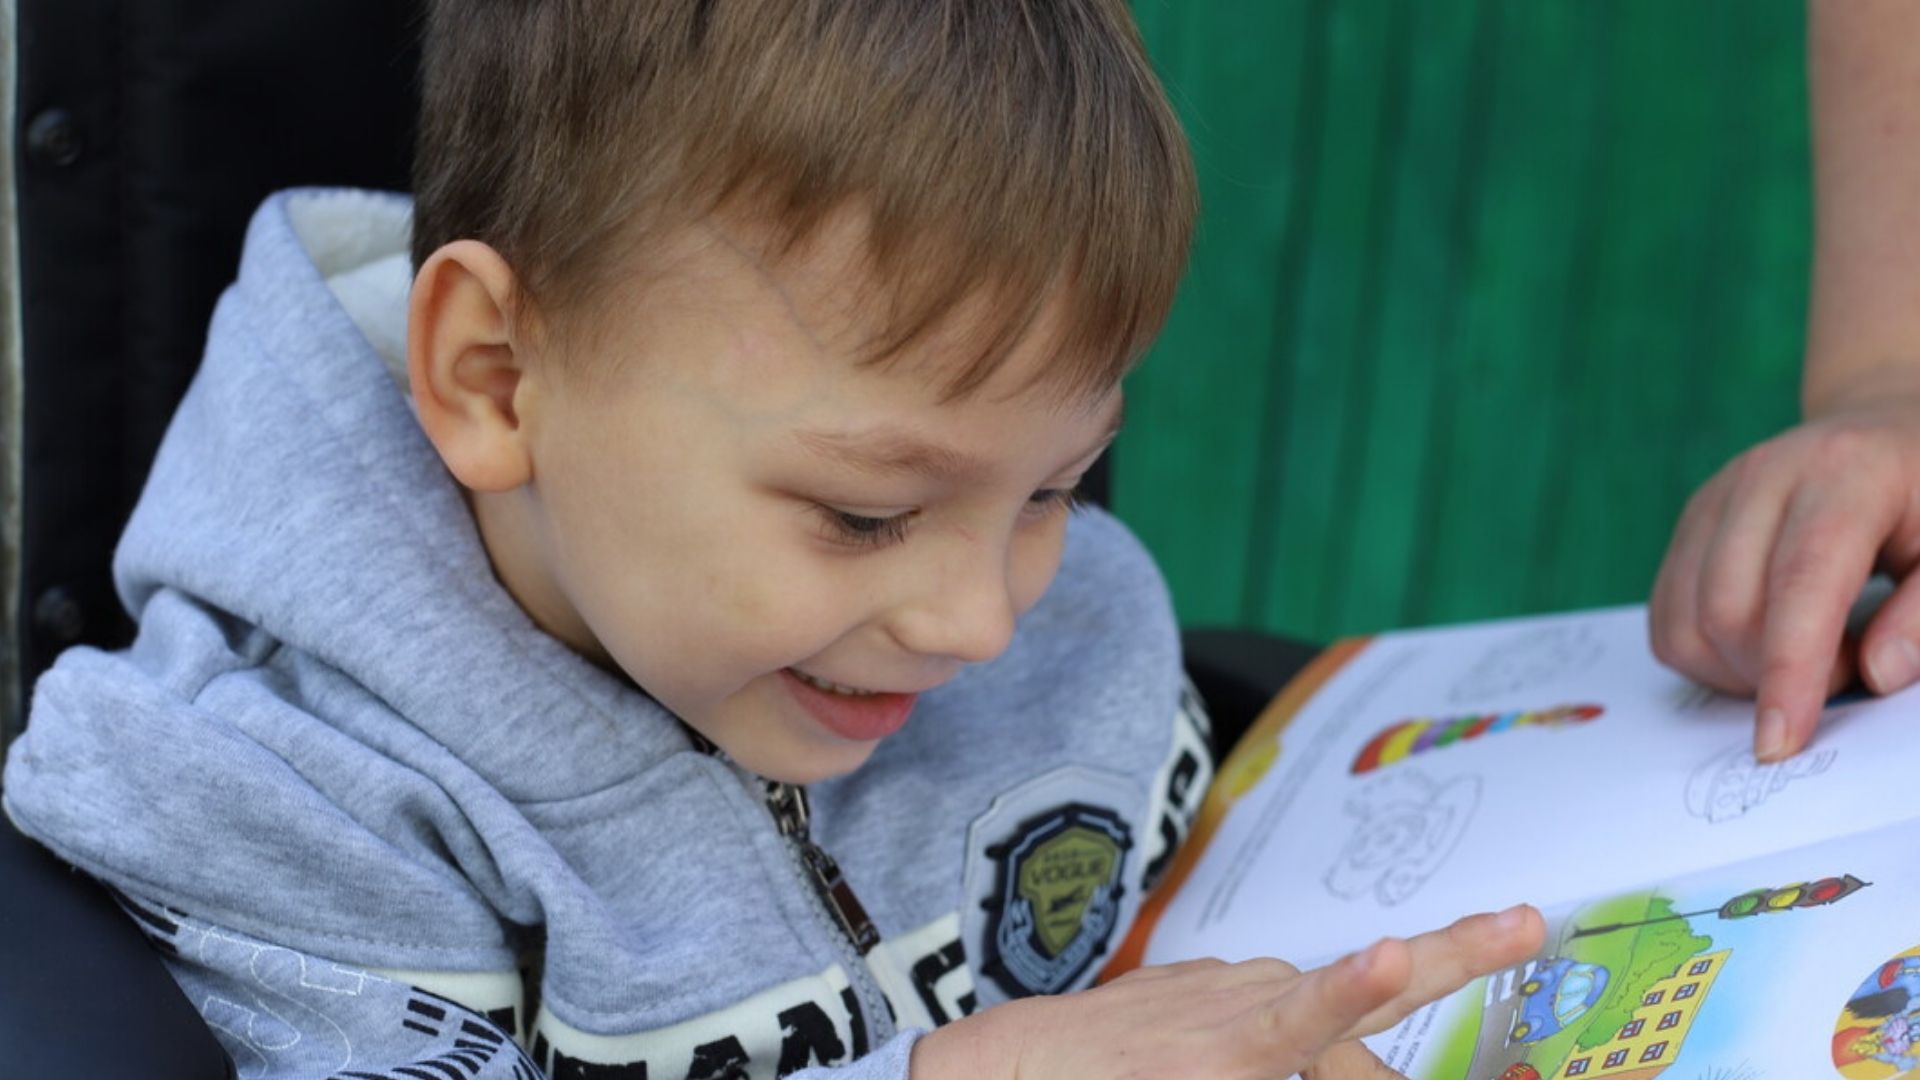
[1350, 1061]
[1291, 1029]
[1890, 646]
[1731, 602]
[1825, 552]
[1673, 620]
[1445, 960]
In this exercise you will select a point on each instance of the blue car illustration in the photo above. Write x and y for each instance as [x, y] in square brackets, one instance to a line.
[1558, 992]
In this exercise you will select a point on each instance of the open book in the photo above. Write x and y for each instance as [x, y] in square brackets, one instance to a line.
[1706, 915]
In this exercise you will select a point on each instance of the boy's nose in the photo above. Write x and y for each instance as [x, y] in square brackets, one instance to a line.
[965, 616]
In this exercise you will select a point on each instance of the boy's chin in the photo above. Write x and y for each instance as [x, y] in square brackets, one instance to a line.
[802, 764]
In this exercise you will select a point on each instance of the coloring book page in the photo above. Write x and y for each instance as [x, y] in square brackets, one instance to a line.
[1410, 778]
[1793, 966]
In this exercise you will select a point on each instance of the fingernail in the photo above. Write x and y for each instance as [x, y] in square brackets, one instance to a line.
[1512, 918]
[1893, 665]
[1361, 961]
[1770, 735]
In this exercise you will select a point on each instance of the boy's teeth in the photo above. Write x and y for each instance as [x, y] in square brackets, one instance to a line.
[830, 687]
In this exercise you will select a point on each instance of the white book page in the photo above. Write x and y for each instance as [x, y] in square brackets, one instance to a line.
[1543, 760]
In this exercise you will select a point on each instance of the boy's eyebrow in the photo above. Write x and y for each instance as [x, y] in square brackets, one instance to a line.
[890, 451]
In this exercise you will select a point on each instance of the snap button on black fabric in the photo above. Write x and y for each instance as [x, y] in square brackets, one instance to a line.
[59, 616]
[53, 138]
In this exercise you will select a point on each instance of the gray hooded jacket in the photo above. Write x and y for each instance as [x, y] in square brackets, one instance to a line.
[383, 826]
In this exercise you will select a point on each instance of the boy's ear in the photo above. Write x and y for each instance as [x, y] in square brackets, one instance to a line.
[466, 367]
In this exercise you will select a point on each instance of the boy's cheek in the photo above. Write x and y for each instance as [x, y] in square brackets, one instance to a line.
[1036, 566]
[736, 599]
[763, 593]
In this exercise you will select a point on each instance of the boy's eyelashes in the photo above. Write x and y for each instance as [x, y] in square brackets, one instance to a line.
[1047, 500]
[860, 531]
[866, 532]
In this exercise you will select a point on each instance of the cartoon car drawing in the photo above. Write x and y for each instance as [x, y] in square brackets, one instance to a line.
[1558, 992]
[1522, 1071]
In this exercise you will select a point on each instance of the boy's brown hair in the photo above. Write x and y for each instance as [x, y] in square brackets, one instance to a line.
[997, 150]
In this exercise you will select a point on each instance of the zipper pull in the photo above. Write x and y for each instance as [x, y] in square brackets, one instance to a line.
[838, 894]
[788, 805]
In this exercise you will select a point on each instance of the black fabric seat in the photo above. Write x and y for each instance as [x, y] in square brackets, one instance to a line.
[82, 992]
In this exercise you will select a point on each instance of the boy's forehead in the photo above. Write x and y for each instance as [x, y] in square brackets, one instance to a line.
[772, 345]
[823, 281]
[888, 450]
[826, 290]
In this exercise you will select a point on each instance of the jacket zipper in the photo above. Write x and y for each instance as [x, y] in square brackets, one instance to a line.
[788, 804]
[792, 817]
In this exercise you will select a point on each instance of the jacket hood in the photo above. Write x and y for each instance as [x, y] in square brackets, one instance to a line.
[329, 690]
[296, 492]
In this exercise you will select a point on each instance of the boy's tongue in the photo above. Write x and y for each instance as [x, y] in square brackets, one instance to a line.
[862, 717]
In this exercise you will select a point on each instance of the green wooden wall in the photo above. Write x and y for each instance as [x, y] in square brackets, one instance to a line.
[1482, 289]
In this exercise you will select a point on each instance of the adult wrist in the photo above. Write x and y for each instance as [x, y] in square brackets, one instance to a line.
[1892, 384]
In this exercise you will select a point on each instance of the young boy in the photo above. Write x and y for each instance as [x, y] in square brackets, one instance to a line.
[723, 447]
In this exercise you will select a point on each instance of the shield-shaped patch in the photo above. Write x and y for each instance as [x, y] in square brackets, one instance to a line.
[1056, 897]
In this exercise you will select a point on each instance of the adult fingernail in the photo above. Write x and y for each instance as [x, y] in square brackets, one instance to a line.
[1770, 735]
[1512, 918]
[1894, 664]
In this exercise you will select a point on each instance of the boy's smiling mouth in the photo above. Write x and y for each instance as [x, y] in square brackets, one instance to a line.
[831, 687]
[849, 712]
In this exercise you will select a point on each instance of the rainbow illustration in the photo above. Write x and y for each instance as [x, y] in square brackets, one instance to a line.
[1410, 737]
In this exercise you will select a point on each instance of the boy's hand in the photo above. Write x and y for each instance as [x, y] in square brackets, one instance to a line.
[1772, 551]
[1260, 1018]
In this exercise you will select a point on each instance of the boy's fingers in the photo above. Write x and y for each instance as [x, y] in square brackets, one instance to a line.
[1262, 969]
[1295, 1026]
[1350, 1061]
[1826, 551]
[1445, 960]
[1175, 970]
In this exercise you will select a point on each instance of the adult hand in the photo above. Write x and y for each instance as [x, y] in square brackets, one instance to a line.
[1258, 1018]
[1770, 555]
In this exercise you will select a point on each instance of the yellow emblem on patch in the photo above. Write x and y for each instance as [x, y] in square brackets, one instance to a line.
[1059, 878]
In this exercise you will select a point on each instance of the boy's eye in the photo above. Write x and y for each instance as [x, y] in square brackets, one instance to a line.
[861, 531]
[864, 531]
